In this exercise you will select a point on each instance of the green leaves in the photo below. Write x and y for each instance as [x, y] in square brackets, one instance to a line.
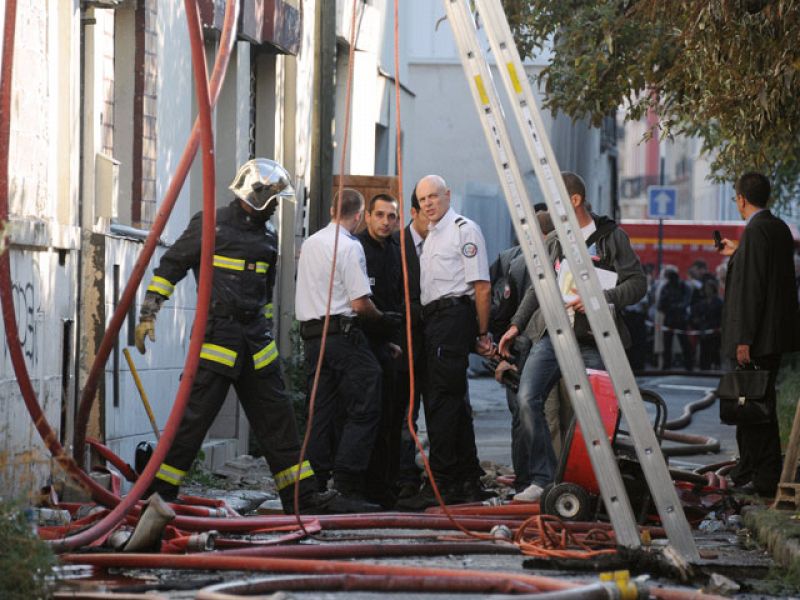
[723, 70]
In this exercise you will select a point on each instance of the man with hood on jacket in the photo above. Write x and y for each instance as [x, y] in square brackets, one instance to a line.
[610, 250]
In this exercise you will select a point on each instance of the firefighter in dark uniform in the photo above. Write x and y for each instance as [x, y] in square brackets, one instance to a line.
[385, 273]
[455, 295]
[239, 348]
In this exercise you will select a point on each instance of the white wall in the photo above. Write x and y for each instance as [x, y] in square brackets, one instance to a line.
[42, 307]
[159, 368]
[175, 110]
[373, 100]
[445, 135]
[43, 167]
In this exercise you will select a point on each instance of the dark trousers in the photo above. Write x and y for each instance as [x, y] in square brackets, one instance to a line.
[637, 353]
[409, 472]
[349, 383]
[686, 350]
[268, 409]
[449, 338]
[384, 463]
[760, 445]
[709, 350]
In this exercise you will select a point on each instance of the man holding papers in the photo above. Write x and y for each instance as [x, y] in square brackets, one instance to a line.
[624, 282]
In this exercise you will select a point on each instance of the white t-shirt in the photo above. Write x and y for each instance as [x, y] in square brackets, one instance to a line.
[313, 274]
[453, 257]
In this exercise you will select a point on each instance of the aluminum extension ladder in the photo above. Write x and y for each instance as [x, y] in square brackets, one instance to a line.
[532, 243]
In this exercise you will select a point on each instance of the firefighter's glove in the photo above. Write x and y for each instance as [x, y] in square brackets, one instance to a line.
[145, 328]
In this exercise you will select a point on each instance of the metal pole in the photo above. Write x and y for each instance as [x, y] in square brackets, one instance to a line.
[142, 393]
[660, 222]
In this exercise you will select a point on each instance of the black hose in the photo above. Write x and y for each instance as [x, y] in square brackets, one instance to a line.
[689, 410]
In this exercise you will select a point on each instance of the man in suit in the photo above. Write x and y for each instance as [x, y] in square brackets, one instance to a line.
[416, 231]
[757, 321]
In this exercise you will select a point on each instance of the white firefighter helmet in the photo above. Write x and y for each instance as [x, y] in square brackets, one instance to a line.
[261, 181]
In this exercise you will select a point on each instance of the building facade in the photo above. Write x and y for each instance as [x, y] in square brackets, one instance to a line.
[103, 105]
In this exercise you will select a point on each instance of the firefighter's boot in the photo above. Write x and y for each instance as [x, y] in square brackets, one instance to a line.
[351, 494]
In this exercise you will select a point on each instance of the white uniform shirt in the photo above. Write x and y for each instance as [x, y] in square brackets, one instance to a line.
[453, 257]
[313, 274]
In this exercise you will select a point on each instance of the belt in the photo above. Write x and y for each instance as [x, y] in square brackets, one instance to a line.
[338, 324]
[233, 312]
[443, 303]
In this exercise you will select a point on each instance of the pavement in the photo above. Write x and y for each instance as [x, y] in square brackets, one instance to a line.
[732, 554]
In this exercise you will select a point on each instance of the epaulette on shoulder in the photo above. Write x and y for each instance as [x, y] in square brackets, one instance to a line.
[461, 221]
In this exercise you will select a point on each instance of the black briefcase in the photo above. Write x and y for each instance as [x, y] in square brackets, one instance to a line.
[742, 397]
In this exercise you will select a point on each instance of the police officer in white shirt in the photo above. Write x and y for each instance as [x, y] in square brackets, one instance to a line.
[349, 382]
[455, 297]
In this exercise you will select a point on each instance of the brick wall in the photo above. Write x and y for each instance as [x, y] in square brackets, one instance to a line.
[107, 66]
[144, 113]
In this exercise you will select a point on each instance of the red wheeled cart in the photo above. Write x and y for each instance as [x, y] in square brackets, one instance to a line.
[573, 495]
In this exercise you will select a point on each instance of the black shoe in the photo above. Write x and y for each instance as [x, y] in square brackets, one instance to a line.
[331, 502]
[407, 490]
[745, 488]
[425, 498]
[384, 497]
[351, 503]
[473, 491]
[751, 489]
[314, 503]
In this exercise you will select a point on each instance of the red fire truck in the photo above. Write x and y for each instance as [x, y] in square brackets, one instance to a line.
[684, 241]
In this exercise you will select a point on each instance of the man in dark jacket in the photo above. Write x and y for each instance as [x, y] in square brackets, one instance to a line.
[610, 250]
[409, 475]
[239, 348]
[385, 273]
[758, 321]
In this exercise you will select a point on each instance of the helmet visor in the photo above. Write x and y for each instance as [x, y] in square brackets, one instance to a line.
[263, 195]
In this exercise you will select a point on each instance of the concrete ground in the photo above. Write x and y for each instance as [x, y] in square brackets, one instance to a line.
[735, 554]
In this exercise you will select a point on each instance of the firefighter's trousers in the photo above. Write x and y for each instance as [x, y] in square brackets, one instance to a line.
[271, 416]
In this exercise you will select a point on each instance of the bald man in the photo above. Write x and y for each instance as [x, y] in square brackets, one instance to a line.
[455, 296]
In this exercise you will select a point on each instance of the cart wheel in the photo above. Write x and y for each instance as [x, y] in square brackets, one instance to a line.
[568, 501]
[543, 497]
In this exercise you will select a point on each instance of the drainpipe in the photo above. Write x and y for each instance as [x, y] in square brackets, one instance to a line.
[321, 184]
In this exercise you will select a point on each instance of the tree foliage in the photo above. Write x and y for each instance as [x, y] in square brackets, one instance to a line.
[26, 562]
[726, 71]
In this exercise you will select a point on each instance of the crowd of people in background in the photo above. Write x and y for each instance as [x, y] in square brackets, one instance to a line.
[677, 323]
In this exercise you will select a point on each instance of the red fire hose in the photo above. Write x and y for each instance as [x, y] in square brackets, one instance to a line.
[375, 550]
[214, 562]
[333, 522]
[165, 210]
[400, 583]
[203, 296]
[46, 432]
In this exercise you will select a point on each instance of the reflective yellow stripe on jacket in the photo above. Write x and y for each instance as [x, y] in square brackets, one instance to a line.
[288, 476]
[170, 474]
[161, 286]
[225, 262]
[262, 267]
[268, 312]
[218, 354]
[265, 356]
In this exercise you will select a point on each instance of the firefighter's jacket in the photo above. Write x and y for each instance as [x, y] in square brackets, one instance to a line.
[239, 324]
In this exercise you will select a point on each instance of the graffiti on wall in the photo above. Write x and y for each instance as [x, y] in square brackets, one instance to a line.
[28, 308]
[25, 304]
